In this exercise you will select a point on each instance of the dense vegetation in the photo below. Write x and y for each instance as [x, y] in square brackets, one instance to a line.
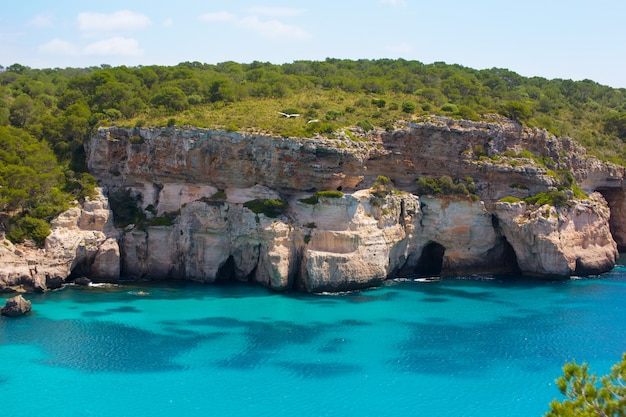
[58, 108]
[586, 395]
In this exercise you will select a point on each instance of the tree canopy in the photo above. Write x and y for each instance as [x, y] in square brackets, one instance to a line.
[586, 396]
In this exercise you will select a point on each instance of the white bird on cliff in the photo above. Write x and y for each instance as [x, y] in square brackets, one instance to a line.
[287, 115]
[312, 121]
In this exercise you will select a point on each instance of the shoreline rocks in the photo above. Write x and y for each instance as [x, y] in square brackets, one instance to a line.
[191, 185]
[16, 306]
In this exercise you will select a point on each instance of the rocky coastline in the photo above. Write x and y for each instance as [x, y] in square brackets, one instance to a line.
[192, 188]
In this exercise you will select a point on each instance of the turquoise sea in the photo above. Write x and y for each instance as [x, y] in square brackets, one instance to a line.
[470, 346]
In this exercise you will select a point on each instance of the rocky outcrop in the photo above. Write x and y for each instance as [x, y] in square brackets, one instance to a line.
[191, 187]
[16, 306]
[549, 241]
[82, 241]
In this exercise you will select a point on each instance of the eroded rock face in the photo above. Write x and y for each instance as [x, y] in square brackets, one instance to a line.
[16, 306]
[200, 179]
[83, 241]
[559, 242]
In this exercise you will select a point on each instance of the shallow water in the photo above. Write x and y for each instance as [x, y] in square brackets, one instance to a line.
[458, 347]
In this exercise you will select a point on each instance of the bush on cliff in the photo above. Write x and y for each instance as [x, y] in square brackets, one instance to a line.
[315, 198]
[551, 198]
[382, 186]
[269, 207]
[445, 185]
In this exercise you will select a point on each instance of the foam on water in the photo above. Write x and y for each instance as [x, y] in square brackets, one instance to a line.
[457, 347]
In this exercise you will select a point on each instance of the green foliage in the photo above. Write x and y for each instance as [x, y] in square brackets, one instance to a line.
[365, 125]
[269, 207]
[383, 186]
[170, 97]
[125, 209]
[33, 186]
[586, 395]
[63, 105]
[219, 195]
[315, 198]
[166, 219]
[552, 198]
[516, 110]
[329, 194]
[615, 124]
[408, 107]
[509, 199]
[441, 186]
[449, 108]
[26, 227]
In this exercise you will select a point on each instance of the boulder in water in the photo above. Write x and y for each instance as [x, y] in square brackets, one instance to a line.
[16, 306]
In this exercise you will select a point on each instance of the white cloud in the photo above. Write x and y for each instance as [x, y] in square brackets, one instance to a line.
[275, 11]
[114, 46]
[120, 20]
[59, 47]
[217, 17]
[394, 3]
[41, 21]
[273, 28]
[168, 23]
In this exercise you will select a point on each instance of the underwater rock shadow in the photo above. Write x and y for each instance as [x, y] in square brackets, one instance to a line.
[103, 346]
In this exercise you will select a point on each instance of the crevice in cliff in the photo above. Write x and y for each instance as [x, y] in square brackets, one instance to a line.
[616, 199]
[431, 260]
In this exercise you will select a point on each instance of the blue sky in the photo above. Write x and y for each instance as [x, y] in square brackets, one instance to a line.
[550, 38]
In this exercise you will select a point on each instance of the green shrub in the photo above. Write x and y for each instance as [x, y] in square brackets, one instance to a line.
[449, 108]
[28, 227]
[445, 186]
[125, 209]
[311, 200]
[516, 110]
[269, 207]
[330, 194]
[509, 199]
[408, 107]
[552, 198]
[365, 125]
[382, 186]
[315, 198]
[220, 195]
[379, 102]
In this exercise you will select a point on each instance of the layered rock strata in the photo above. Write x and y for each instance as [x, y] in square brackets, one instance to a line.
[199, 180]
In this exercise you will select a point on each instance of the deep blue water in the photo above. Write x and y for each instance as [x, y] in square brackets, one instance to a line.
[457, 347]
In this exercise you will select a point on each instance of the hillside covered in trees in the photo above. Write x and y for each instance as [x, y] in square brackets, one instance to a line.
[46, 114]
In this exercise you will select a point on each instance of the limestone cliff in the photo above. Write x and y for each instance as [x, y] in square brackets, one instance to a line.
[82, 241]
[192, 185]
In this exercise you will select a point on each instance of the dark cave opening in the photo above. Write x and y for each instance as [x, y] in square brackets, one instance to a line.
[503, 258]
[431, 260]
[227, 270]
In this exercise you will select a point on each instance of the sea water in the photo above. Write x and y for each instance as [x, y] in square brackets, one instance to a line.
[469, 346]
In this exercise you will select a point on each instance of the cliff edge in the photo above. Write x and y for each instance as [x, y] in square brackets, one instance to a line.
[198, 200]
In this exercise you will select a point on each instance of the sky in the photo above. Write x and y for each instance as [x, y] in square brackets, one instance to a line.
[549, 38]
